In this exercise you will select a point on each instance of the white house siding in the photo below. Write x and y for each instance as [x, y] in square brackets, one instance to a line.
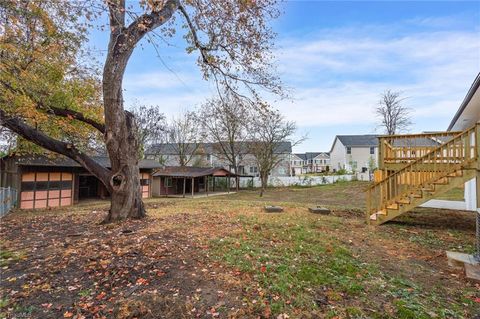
[362, 156]
[340, 159]
[338, 154]
[320, 163]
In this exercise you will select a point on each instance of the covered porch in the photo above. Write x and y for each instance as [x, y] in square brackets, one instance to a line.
[192, 181]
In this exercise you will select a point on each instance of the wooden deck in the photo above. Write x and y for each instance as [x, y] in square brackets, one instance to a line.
[416, 168]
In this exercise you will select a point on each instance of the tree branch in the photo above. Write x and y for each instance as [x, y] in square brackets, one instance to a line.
[18, 126]
[60, 111]
[150, 21]
[77, 116]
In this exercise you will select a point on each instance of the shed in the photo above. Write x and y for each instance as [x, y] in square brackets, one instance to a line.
[51, 181]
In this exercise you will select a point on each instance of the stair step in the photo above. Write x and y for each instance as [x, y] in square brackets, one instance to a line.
[403, 201]
[393, 206]
[377, 214]
[456, 174]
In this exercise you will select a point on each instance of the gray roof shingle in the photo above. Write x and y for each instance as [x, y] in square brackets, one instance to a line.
[189, 171]
[367, 140]
[208, 148]
[61, 161]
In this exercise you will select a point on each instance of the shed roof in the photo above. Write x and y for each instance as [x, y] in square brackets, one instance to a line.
[62, 161]
[190, 171]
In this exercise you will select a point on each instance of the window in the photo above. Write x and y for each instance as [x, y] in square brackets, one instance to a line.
[372, 150]
[209, 157]
[144, 182]
[349, 150]
[168, 182]
[253, 169]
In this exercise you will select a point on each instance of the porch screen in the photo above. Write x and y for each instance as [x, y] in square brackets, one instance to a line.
[46, 189]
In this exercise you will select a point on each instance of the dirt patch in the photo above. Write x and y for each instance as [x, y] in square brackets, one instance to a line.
[75, 267]
[63, 263]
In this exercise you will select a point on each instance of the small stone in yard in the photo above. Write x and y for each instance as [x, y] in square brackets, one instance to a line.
[273, 209]
[319, 210]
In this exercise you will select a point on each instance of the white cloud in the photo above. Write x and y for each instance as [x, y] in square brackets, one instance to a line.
[159, 80]
[337, 77]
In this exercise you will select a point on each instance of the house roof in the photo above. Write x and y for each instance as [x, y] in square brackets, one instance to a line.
[61, 161]
[208, 148]
[190, 171]
[416, 141]
[469, 110]
[311, 155]
[359, 140]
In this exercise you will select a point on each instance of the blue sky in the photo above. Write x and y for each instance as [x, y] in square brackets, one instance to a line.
[336, 57]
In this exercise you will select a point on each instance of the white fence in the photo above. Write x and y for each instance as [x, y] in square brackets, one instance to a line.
[283, 181]
[8, 200]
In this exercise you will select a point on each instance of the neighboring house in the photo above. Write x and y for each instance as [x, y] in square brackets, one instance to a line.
[44, 182]
[208, 155]
[354, 152]
[297, 162]
[310, 162]
[467, 116]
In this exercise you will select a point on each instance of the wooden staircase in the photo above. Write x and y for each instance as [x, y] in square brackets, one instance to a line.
[444, 167]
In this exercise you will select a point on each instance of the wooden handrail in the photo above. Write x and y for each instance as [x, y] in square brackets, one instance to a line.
[433, 134]
[452, 155]
[413, 146]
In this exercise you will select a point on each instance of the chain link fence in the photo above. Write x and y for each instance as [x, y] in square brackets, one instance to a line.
[8, 200]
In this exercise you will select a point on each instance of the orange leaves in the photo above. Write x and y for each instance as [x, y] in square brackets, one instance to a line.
[101, 295]
[141, 281]
[40, 71]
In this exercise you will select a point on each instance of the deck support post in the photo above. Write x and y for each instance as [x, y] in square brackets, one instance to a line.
[228, 184]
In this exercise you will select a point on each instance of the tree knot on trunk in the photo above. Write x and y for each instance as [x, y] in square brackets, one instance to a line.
[117, 181]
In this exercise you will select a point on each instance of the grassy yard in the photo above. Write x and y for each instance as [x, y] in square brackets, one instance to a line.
[224, 257]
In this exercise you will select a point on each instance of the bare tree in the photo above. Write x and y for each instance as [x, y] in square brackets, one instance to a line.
[269, 130]
[234, 44]
[184, 137]
[393, 115]
[225, 123]
[8, 140]
[151, 126]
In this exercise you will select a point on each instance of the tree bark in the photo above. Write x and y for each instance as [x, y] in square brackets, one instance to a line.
[263, 181]
[120, 138]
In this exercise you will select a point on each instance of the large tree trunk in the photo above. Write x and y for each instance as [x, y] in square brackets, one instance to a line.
[120, 136]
